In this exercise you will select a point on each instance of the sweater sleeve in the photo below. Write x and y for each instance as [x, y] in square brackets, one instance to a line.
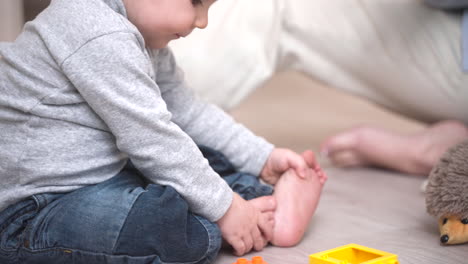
[113, 73]
[206, 123]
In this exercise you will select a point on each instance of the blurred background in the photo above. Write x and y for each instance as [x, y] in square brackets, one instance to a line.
[291, 110]
[13, 13]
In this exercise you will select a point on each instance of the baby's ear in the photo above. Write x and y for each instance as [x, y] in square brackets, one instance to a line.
[453, 230]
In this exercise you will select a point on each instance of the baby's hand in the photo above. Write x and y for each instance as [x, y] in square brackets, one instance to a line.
[281, 160]
[240, 227]
[266, 205]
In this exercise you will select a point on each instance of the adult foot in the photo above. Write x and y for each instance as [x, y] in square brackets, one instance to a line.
[296, 200]
[414, 154]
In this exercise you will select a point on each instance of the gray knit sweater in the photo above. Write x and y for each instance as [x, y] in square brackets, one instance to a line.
[80, 95]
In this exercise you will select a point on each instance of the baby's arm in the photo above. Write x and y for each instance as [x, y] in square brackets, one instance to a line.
[113, 75]
[209, 125]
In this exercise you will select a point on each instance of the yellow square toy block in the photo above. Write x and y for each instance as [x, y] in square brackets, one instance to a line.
[353, 254]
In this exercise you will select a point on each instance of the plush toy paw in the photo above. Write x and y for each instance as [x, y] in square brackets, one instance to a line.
[453, 230]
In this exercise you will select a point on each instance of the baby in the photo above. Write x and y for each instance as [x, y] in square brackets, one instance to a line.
[107, 157]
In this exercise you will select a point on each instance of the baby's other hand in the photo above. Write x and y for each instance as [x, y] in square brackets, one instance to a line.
[266, 221]
[240, 227]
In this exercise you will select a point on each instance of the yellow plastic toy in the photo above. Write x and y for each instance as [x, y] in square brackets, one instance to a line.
[353, 254]
[255, 260]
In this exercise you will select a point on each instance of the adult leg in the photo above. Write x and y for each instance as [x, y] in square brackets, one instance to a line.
[122, 220]
[400, 54]
[235, 54]
[390, 52]
[414, 153]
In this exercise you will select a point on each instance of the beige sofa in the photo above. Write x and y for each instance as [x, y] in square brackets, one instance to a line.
[11, 19]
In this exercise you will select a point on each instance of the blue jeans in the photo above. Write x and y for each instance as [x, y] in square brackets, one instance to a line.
[122, 220]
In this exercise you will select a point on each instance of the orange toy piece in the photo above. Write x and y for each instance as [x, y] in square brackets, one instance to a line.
[255, 260]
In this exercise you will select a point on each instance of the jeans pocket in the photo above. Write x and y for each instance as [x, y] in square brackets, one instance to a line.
[13, 222]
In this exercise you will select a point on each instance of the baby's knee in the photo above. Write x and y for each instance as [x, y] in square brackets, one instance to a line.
[160, 224]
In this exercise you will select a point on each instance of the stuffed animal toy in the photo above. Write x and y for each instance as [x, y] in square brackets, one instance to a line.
[447, 195]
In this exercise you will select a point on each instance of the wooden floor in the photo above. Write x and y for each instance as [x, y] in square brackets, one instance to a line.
[368, 206]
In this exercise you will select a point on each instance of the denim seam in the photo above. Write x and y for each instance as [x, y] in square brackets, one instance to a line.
[210, 238]
[84, 252]
[7, 254]
[11, 220]
[39, 200]
[210, 245]
[41, 204]
[126, 219]
[90, 253]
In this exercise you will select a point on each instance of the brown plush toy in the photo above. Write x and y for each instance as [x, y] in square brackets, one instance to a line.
[447, 195]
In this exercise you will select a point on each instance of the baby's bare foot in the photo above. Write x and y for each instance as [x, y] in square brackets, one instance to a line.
[415, 154]
[296, 200]
[311, 161]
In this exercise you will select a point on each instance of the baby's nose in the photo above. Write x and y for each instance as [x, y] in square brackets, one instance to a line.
[444, 239]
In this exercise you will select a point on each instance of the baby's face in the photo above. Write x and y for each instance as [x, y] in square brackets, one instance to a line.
[160, 21]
